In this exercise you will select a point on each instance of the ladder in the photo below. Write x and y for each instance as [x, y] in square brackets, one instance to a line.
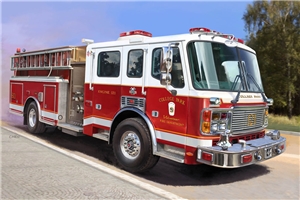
[45, 59]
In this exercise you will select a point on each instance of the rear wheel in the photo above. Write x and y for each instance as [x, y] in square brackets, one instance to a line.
[33, 123]
[133, 147]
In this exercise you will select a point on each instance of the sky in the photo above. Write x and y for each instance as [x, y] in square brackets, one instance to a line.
[36, 24]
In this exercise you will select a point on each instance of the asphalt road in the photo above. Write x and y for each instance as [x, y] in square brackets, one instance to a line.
[273, 179]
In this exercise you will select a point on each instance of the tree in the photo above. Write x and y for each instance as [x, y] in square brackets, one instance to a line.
[274, 32]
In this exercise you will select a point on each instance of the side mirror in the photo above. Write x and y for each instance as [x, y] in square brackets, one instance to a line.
[165, 78]
[270, 102]
[166, 59]
[166, 63]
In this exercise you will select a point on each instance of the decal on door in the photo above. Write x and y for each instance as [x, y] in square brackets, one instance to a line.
[132, 90]
[171, 108]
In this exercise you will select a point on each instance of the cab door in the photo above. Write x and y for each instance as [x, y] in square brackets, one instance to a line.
[103, 89]
[168, 112]
[133, 74]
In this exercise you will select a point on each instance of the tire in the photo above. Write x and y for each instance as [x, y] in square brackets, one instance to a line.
[132, 146]
[33, 123]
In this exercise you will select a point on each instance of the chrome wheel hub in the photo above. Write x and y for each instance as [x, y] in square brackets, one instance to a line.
[130, 145]
[32, 117]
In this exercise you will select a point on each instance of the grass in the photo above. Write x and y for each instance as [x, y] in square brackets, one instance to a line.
[284, 123]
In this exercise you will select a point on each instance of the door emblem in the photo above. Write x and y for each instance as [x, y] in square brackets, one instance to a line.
[251, 119]
[171, 108]
[132, 90]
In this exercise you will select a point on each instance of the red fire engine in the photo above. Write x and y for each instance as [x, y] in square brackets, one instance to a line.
[192, 98]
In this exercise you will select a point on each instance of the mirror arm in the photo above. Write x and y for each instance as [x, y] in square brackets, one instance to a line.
[173, 92]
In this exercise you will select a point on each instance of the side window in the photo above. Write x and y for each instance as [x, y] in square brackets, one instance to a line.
[176, 73]
[135, 63]
[108, 64]
[155, 71]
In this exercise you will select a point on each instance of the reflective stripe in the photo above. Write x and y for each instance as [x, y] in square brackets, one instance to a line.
[49, 115]
[192, 142]
[16, 107]
[96, 120]
[183, 140]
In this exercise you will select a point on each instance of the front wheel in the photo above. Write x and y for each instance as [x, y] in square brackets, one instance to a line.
[133, 147]
[33, 123]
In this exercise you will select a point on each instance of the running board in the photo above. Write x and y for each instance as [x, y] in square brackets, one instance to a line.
[101, 136]
[170, 152]
[71, 129]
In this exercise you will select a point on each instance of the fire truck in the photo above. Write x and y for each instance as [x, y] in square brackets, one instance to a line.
[194, 98]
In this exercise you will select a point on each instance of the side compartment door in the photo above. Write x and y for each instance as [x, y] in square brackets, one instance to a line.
[50, 103]
[75, 116]
[16, 97]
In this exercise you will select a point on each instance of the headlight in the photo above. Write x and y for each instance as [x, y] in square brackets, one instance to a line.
[222, 126]
[215, 121]
[214, 127]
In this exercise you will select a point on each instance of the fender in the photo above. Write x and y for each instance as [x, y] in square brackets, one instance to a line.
[145, 118]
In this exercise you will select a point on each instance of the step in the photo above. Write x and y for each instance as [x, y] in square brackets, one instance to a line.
[71, 129]
[169, 152]
[102, 136]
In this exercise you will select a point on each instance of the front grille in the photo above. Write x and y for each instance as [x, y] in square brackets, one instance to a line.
[133, 101]
[247, 119]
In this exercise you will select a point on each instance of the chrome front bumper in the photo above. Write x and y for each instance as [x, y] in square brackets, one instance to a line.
[243, 153]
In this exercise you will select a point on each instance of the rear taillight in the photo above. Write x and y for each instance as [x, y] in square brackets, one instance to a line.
[246, 158]
[203, 155]
[207, 156]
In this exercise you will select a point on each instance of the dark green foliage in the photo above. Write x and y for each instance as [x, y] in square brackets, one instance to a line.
[274, 33]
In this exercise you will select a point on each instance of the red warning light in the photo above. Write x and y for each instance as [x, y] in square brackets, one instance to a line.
[136, 32]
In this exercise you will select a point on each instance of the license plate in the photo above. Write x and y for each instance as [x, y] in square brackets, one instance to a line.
[268, 152]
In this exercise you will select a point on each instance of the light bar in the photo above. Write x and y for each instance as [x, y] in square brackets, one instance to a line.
[136, 32]
[201, 29]
[206, 30]
[238, 40]
[234, 38]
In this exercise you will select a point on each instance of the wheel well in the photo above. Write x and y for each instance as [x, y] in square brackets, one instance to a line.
[25, 110]
[124, 115]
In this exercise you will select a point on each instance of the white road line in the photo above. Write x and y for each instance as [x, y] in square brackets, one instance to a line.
[120, 175]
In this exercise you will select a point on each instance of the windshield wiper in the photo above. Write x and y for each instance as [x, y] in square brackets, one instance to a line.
[259, 89]
[236, 99]
[239, 76]
[255, 83]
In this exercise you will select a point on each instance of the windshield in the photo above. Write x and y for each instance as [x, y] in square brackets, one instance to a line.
[215, 66]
